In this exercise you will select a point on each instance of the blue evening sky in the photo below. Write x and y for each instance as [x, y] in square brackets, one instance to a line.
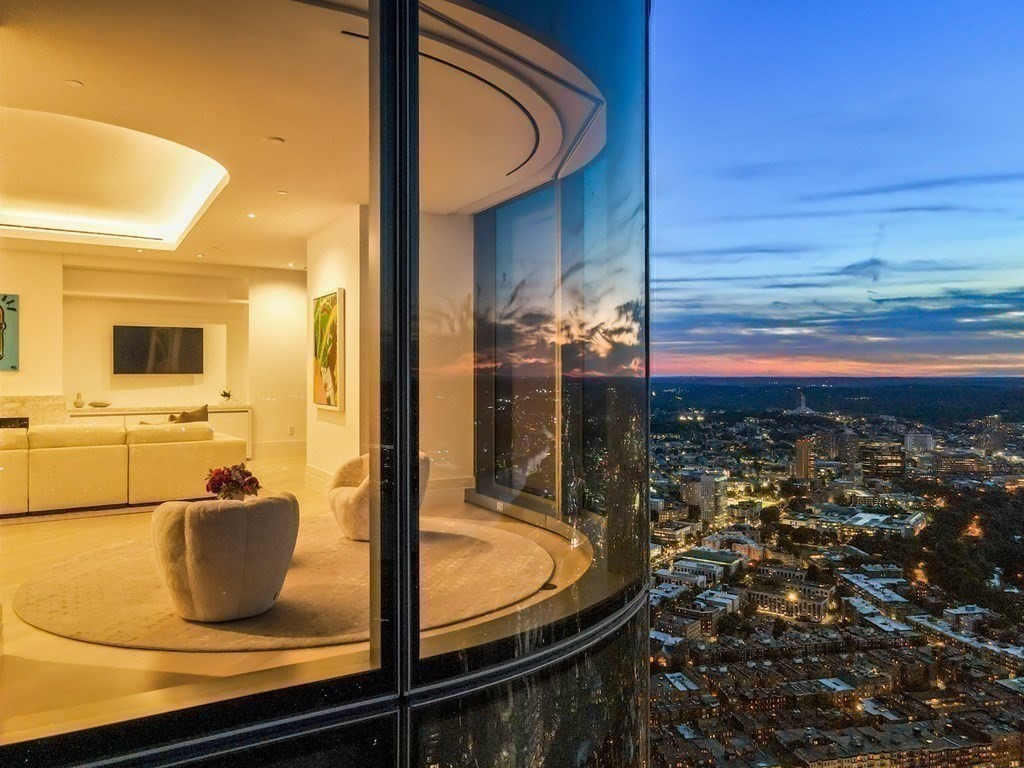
[838, 187]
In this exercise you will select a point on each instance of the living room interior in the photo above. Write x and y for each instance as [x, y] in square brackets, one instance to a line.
[189, 277]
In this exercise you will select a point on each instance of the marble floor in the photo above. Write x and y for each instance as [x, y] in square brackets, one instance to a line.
[50, 684]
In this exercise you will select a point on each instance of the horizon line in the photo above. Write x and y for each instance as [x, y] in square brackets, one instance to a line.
[833, 376]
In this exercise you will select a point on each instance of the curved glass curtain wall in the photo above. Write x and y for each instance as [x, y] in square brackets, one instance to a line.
[532, 316]
[529, 328]
[589, 710]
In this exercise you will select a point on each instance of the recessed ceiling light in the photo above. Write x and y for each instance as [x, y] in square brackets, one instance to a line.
[274, 140]
[250, 215]
[282, 191]
[74, 83]
[138, 250]
[290, 264]
[199, 255]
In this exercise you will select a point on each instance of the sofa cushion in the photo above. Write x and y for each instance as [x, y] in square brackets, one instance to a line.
[169, 433]
[202, 413]
[162, 471]
[15, 439]
[74, 435]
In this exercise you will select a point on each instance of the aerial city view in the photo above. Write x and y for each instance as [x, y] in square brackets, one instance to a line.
[837, 413]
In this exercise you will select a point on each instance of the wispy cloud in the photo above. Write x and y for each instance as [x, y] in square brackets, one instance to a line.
[838, 213]
[756, 170]
[921, 185]
[871, 269]
[741, 251]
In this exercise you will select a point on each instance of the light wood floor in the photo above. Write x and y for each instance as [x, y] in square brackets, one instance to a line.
[51, 684]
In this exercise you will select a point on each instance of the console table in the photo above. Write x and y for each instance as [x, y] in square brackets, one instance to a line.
[230, 419]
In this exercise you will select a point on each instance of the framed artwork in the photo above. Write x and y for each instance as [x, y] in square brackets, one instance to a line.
[329, 350]
[9, 332]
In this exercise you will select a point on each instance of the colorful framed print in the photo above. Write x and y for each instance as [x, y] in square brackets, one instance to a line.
[329, 350]
[9, 330]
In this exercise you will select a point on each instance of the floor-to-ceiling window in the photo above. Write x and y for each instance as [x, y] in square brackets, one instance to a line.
[186, 206]
[419, 324]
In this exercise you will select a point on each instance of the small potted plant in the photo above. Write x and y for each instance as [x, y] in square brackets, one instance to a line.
[226, 395]
[235, 482]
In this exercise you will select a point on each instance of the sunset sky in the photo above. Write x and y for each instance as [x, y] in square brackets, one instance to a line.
[838, 187]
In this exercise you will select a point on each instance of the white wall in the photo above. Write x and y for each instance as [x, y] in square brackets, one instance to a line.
[37, 278]
[333, 256]
[88, 335]
[277, 362]
[88, 353]
[446, 348]
[254, 322]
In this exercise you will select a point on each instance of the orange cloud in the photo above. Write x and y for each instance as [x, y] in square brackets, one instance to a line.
[682, 364]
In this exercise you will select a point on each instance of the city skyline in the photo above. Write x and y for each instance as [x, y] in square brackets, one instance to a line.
[837, 193]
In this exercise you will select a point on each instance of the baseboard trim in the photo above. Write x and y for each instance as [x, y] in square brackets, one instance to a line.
[450, 482]
[318, 478]
[279, 449]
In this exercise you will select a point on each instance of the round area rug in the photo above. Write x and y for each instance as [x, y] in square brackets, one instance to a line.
[114, 596]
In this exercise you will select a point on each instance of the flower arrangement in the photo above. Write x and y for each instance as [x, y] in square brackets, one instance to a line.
[232, 482]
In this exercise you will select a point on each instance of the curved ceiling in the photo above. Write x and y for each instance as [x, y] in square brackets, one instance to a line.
[224, 81]
[74, 180]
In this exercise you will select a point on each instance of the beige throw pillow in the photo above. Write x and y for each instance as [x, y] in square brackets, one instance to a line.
[199, 414]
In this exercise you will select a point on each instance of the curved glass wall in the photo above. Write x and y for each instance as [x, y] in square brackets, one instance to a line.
[206, 214]
[590, 710]
[532, 321]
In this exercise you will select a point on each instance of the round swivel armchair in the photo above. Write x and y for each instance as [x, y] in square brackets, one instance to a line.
[350, 495]
[225, 560]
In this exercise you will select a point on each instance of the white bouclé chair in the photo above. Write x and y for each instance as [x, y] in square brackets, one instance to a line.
[350, 495]
[224, 560]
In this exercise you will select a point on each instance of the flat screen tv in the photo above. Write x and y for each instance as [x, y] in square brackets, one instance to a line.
[145, 349]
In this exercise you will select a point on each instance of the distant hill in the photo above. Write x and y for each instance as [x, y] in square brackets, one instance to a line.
[938, 402]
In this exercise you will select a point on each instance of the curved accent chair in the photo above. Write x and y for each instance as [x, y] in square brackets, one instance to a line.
[224, 560]
[349, 495]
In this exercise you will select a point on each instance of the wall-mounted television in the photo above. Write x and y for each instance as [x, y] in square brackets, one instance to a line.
[147, 349]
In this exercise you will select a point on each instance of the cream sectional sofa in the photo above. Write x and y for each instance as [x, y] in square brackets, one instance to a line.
[91, 465]
[170, 461]
[76, 466]
[13, 471]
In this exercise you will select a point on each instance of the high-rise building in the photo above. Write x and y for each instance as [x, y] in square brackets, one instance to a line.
[707, 492]
[915, 443]
[826, 445]
[803, 467]
[959, 463]
[993, 436]
[849, 450]
[883, 461]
